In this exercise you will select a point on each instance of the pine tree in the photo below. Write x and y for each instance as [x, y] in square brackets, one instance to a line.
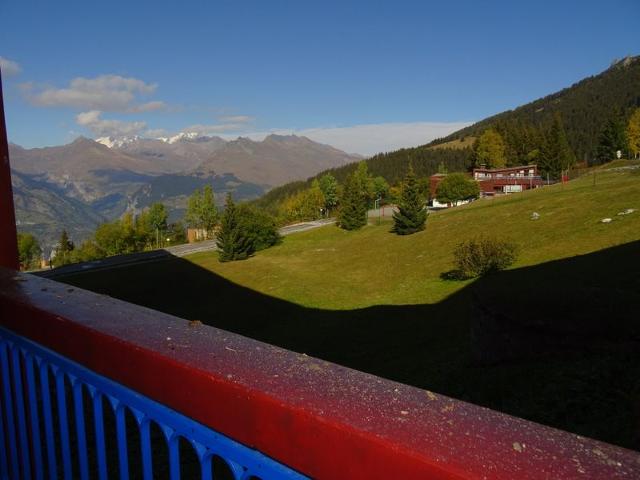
[612, 139]
[64, 249]
[556, 155]
[353, 204]
[411, 215]
[233, 241]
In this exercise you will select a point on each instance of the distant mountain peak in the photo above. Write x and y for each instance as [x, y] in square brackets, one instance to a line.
[81, 140]
[624, 62]
[180, 136]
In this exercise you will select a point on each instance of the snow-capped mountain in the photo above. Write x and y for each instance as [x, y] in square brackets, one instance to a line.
[180, 136]
[117, 142]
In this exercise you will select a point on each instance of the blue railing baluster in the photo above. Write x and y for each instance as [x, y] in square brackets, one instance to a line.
[34, 417]
[4, 460]
[22, 421]
[65, 446]
[8, 403]
[205, 467]
[145, 448]
[242, 461]
[80, 430]
[98, 422]
[174, 457]
[121, 435]
[48, 420]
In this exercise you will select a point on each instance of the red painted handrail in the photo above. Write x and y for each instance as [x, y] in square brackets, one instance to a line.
[322, 419]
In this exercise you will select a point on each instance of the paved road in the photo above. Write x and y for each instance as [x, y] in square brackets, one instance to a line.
[155, 255]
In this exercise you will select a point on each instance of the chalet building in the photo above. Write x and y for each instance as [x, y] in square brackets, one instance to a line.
[495, 181]
[507, 180]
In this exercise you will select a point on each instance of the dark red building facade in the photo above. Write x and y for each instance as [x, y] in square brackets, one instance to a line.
[497, 181]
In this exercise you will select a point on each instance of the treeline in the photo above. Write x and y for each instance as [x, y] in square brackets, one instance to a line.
[240, 230]
[128, 234]
[391, 166]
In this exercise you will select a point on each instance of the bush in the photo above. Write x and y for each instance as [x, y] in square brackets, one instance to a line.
[259, 226]
[479, 256]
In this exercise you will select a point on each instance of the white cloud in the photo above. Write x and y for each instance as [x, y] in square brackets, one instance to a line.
[370, 139]
[9, 67]
[105, 128]
[157, 132]
[105, 92]
[148, 107]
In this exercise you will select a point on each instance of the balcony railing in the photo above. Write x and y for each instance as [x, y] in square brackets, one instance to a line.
[260, 411]
[33, 377]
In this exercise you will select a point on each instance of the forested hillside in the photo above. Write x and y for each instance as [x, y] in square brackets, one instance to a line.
[584, 110]
[392, 166]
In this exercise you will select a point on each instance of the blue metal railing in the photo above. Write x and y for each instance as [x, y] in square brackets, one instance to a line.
[40, 437]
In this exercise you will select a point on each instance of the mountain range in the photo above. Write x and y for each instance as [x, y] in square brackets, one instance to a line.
[86, 182]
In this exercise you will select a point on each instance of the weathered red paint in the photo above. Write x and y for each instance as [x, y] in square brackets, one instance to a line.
[8, 240]
[322, 419]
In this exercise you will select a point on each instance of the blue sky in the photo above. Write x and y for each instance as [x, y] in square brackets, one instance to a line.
[364, 76]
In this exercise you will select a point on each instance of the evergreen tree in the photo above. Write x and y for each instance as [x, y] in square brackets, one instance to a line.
[353, 204]
[612, 139]
[411, 215]
[232, 239]
[633, 133]
[63, 250]
[556, 155]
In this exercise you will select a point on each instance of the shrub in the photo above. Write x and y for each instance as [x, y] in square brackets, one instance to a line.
[456, 187]
[482, 255]
[259, 226]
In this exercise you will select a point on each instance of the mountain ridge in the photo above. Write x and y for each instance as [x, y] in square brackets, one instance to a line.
[131, 173]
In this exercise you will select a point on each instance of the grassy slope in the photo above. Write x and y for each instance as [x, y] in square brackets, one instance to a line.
[333, 269]
[465, 142]
[375, 302]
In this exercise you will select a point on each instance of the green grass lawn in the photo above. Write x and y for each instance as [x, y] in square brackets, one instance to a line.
[334, 269]
[554, 339]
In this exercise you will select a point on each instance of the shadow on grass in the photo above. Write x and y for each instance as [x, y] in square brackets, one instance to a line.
[556, 343]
